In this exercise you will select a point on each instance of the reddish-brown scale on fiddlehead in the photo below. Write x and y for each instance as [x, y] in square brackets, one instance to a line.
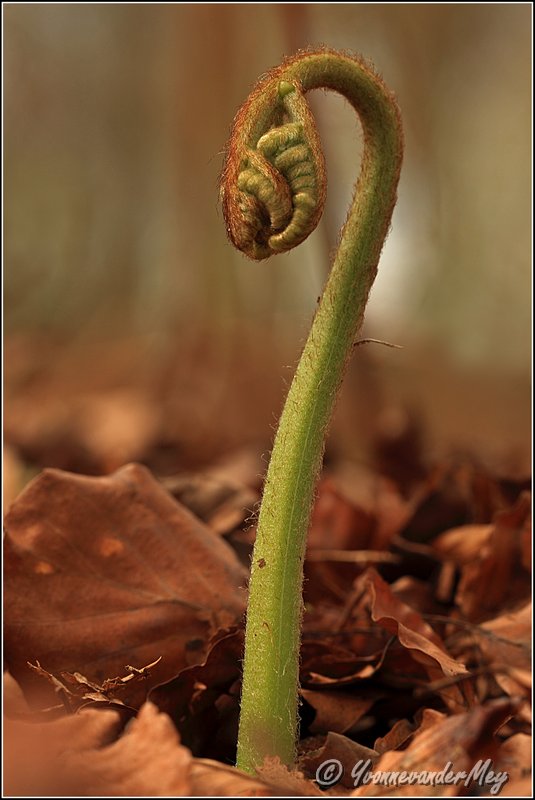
[273, 184]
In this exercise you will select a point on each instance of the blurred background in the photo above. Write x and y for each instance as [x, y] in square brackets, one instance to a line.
[133, 330]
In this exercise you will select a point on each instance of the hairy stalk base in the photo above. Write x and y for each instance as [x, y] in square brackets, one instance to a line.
[273, 191]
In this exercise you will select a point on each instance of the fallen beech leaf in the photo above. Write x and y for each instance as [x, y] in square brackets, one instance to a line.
[80, 755]
[285, 782]
[510, 637]
[222, 504]
[14, 702]
[461, 739]
[100, 572]
[462, 544]
[428, 717]
[147, 760]
[509, 646]
[35, 760]
[416, 594]
[336, 522]
[515, 757]
[77, 756]
[396, 736]
[195, 698]
[499, 559]
[413, 634]
[332, 666]
[376, 498]
[210, 778]
[454, 493]
[338, 748]
[336, 711]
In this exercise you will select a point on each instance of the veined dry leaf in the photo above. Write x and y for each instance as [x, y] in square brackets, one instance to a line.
[336, 523]
[488, 555]
[101, 572]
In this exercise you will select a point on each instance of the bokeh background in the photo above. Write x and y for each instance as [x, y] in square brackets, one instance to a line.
[133, 330]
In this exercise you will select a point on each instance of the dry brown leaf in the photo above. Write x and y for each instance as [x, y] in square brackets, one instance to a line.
[508, 650]
[455, 492]
[210, 778]
[14, 704]
[35, 753]
[413, 633]
[101, 572]
[329, 665]
[335, 710]
[337, 523]
[222, 504]
[76, 691]
[377, 498]
[401, 731]
[203, 699]
[461, 739]
[147, 760]
[515, 756]
[285, 782]
[337, 748]
[462, 544]
[499, 559]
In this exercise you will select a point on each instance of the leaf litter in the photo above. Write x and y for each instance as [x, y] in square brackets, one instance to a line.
[416, 637]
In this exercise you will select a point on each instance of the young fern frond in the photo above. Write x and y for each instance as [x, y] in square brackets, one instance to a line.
[273, 191]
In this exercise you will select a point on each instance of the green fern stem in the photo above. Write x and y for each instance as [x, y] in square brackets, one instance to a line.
[273, 190]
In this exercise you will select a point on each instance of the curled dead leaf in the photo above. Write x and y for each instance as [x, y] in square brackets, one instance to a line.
[415, 635]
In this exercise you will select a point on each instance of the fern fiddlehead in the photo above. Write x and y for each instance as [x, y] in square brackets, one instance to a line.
[280, 182]
[273, 191]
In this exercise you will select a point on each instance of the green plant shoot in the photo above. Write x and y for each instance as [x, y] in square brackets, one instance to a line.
[273, 191]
